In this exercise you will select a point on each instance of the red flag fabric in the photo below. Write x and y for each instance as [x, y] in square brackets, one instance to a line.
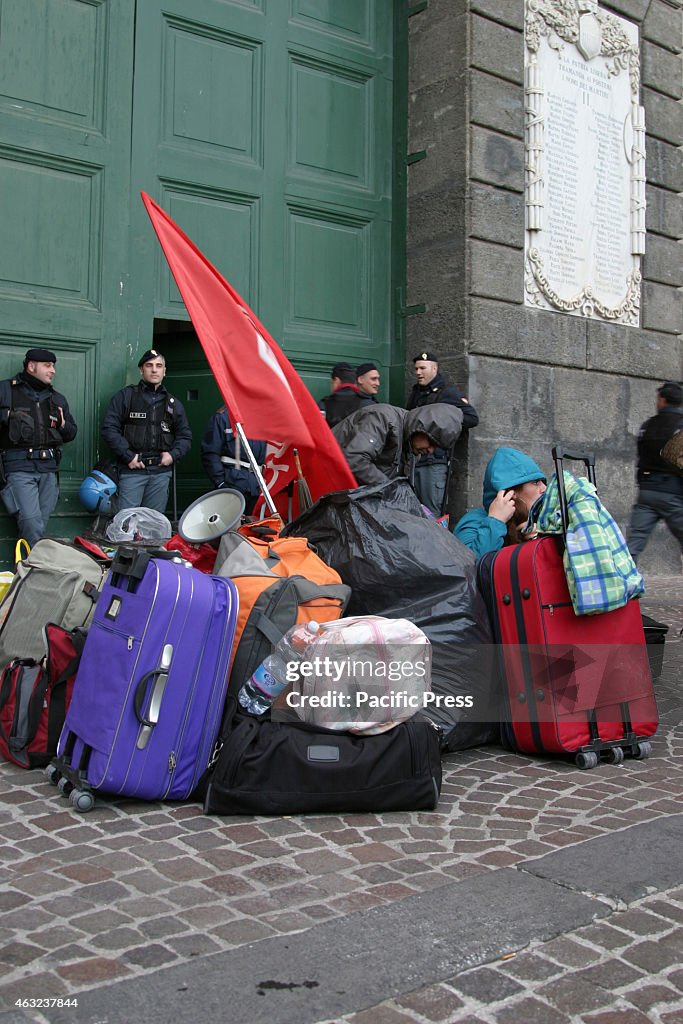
[261, 388]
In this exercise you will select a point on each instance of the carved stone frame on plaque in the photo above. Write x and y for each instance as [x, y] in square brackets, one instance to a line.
[584, 160]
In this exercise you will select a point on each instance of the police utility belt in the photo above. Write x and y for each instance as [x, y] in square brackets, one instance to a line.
[41, 453]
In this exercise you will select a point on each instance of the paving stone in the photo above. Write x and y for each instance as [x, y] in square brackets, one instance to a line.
[486, 985]
[42, 985]
[154, 955]
[569, 953]
[653, 956]
[530, 1011]
[117, 938]
[603, 934]
[530, 967]
[611, 974]
[100, 921]
[237, 933]
[618, 1017]
[435, 1002]
[649, 996]
[380, 1015]
[93, 971]
[193, 945]
[574, 995]
[18, 953]
[10, 899]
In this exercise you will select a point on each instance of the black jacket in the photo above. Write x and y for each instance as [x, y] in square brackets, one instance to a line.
[341, 403]
[31, 435]
[653, 473]
[376, 439]
[439, 391]
[174, 425]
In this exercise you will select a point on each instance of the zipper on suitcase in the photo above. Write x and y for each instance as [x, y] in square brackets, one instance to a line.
[523, 649]
[550, 608]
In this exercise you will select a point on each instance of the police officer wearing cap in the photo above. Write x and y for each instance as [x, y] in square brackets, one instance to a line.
[148, 431]
[431, 471]
[34, 424]
[660, 485]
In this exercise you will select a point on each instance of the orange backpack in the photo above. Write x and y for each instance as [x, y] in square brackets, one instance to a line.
[281, 582]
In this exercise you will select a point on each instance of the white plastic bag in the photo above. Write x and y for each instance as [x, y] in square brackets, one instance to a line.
[363, 674]
[144, 524]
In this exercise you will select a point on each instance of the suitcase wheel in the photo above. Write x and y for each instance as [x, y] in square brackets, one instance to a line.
[64, 786]
[642, 751]
[615, 755]
[51, 773]
[81, 800]
[586, 759]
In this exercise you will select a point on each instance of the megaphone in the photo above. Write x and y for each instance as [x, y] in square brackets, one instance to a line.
[212, 515]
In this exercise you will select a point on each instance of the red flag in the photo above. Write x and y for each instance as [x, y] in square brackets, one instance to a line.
[261, 388]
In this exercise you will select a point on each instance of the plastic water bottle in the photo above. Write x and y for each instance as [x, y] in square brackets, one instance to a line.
[270, 678]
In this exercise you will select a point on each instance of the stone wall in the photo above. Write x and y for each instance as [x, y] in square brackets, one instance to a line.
[535, 377]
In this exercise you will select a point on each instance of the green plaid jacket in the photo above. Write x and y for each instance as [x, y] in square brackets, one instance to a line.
[601, 573]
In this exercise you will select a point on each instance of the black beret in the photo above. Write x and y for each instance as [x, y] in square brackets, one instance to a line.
[39, 355]
[364, 368]
[426, 356]
[340, 368]
[151, 353]
[672, 392]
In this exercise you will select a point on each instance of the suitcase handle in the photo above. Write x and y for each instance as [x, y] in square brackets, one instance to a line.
[559, 455]
[161, 675]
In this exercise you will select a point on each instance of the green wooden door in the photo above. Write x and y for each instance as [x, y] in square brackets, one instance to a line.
[264, 127]
[265, 130]
[65, 97]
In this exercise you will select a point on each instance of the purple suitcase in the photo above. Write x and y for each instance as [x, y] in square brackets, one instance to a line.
[151, 685]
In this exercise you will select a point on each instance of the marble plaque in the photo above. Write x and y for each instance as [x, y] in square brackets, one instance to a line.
[585, 161]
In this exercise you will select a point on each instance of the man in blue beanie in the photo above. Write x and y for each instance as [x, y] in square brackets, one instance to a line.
[512, 483]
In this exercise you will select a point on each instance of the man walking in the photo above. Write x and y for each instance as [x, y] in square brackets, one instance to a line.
[34, 424]
[660, 485]
[148, 431]
[431, 471]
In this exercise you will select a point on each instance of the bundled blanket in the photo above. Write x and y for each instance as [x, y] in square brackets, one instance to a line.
[601, 573]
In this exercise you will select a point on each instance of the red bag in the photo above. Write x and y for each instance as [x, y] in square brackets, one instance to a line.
[201, 556]
[34, 697]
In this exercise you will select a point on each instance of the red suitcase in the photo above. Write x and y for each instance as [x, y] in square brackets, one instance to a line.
[572, 684]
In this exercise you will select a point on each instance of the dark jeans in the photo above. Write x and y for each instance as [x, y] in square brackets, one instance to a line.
[31, 496]
[138, 488]
[650, 507]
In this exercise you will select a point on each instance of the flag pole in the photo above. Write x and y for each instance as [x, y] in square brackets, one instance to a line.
[256, 470]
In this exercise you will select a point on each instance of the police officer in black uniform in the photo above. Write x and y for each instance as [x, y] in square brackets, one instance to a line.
[148, 431]
[34, 424]
[431, 471]
[226, 464]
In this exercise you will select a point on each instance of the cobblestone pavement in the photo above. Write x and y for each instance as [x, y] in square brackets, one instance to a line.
[133, 888]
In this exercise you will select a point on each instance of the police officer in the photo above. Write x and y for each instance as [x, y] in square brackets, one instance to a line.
[431, 470]
[221, 462]
[34, 424]
[660, 485]
[148, 431]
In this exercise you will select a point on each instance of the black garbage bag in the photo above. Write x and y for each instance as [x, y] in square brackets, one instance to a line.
[401, 564]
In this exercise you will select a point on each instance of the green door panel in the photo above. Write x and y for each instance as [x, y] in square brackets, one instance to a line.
[65, 102]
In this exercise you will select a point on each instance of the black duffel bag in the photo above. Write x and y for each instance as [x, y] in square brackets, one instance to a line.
[267, 767]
